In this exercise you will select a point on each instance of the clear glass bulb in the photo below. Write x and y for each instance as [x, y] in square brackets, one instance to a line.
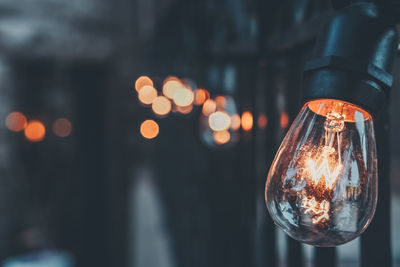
[322, 185]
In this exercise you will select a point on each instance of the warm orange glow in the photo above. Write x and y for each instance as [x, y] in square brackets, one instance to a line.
[183, 97]
[201, 95]
[219, 121]
[209, 107]
[147, 94]
[35, 131]
[221, 137]
[171, 78]
[184, 110]
[16, 121]
[284, 120]
[247, 121]
[62, 127]
[315, 208]
[143, 81]
[349, 111]
[220, 101]
[161, 105]
[149, 129]
[323, 170]
[171, 85]
[262, 121]
[235, 122]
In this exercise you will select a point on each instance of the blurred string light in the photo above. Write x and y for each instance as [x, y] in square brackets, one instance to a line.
[16, 121]
[284, 120]
[200, 96]
[62, 127]
[161, 106]
[35, 131]
[219, 121]
[247, 121]
[171, 85]
[184, 110]
[219, 115]
[177, 96]
[221, 137]
[183, 97]
[235, 122]
[147, 94]
[143, 81]
[220, 102]
[149, 129]
[209, 107]
[262, 121]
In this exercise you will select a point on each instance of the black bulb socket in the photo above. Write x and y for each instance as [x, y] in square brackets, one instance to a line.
[353, 58]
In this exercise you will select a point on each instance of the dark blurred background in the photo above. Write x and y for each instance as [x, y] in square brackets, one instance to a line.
[81, 185]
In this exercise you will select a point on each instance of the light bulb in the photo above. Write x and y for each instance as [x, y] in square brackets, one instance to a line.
[322, 185]
[219, 122]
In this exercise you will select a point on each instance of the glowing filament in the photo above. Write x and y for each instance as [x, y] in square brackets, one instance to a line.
[319, 211]
[323, 170]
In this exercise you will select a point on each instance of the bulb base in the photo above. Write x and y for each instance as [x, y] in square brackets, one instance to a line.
[353, 58]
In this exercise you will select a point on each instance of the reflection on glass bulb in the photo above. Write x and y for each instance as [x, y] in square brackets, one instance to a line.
[322, 185]
[219, 122]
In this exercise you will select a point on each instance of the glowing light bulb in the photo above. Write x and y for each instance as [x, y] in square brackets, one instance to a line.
[171, 85]
[143, 81]
[201, 95]
[209, 107]
[147, 94]
[161, 105]
[183, 97]
[219, 122]
[247, 121]
[322, 185]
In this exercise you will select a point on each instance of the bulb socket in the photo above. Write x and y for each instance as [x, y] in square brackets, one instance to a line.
[353, 58]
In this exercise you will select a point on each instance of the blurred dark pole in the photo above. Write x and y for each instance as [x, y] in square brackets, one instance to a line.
[376, 247]
[246, 88]
[268, 251]
[270, 244]
[34, 78]
[325, 257]
[89, 81]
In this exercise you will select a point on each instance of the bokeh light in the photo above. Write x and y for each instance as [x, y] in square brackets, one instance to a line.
[219, 121]
[16, 121]
[221, 137]
[235, 122]
[183, 97]
[161, 105]
[201, 95]
[62, 127]
[35, 131]
[209, 107]
[171, 85]
[262, 121]
[149, 129]
[221, 102]
[147, 94]
[284, 120]
[184, 110]
[247, 121]
[143, 81]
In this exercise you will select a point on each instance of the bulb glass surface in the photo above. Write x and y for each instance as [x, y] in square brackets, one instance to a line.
[322, 185]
